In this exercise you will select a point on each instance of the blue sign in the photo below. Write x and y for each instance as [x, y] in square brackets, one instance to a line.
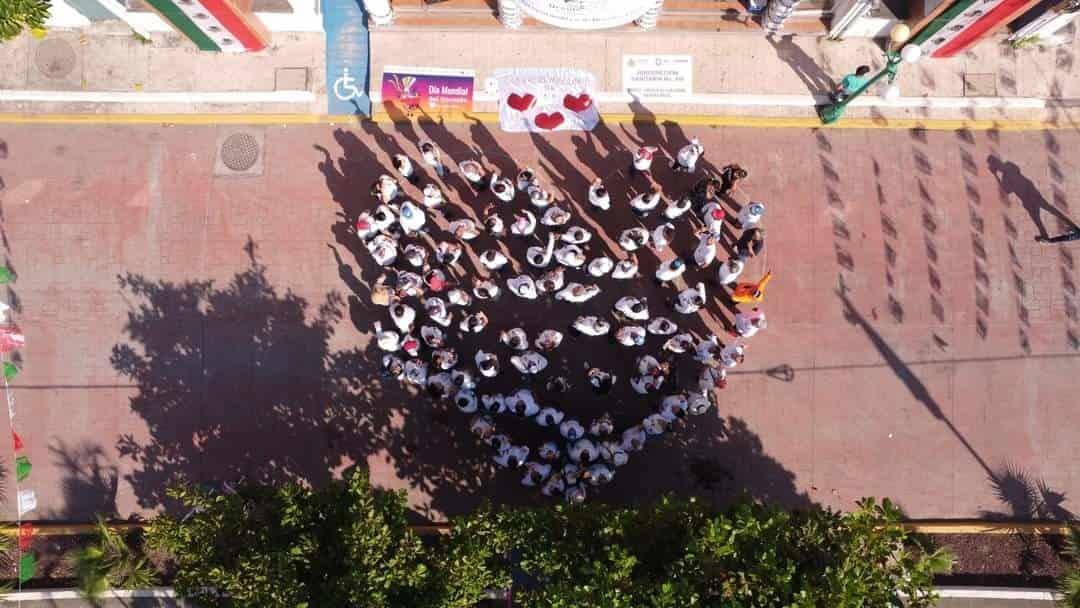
[347, 55]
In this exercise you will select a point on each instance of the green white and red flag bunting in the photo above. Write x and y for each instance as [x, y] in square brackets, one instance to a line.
[27, 501]
[6, 276]
[22, 468]
[11, 339]
[16, 441]
[26, 535]
[10, 371]
[215, 25]
[27, 566]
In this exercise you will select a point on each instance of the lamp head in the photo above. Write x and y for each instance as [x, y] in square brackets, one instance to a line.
[900, 33]
[911, 53]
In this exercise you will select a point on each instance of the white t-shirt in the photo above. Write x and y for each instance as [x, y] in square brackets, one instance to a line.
[598, 200]
[411, 217]
[599, 267]
[705, 252]
[592, 326]
[729, 271]
[522, 286]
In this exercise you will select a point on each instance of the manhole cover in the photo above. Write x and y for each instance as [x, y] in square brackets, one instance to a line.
[55, 58]
[240, 151]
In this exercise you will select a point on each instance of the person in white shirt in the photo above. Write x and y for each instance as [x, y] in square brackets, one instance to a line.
[643, 158]
[632, 239]
[416, 372]
[403, 316]
[749, 323]
[474, 173]
[538, 197]
[382, 218]
[670, 270]
[661, 326]
[713, 217]
[630, 335]
[698, 403]
[750, 215]
[711, 378]
[705, 252]
[474, 323]
[673, 407]
[432, 158]
[552, 280]
[629, 307]
[577, 293]
[583, 451]
[432, 336]
[553, 486]
[555, 216]
[570, 256]
[613, 453]
[691, 299]
[446, 253]
[464, 229]
[404, 166]
[524, 223]
[415, 255]
[387, 339]
[654, 424]
[383, 249]
[530, 362]
[729, 271]
[602, 426]
[598, 195]
[539, 257]
[525, 178]
[575, 494]
[592, 325]
[433, 197]
[522, 286]
[486, 289]
[633, 439]
[502, 188]
[492, 222]
[493, 259]
[487, 363]
[662, 235]
[600, 380]
[523, 403]
[677, 207]
[465, 401]
[643, 385]
[411, 217]
[386, 188]
[679, 344]
[686, 159]
[649, 365]
[576, 235]
[498, 441]
[535, 474]
[549, 451]
[493, 404]
[732, 355]
[512, 457]
[548, 340]
[549, 416]
[515, 338]
[437, 311]
[625, 269]
[707, 351]
[600, 267]
[463, 379]
[571, 429]
[644, 203]
[444, 358]
[459, 297]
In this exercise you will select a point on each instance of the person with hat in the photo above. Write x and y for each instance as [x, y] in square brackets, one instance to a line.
[598, 195]
[432, 158]
[670, 270]
[749, 323]
[411, 217]
[686, 160]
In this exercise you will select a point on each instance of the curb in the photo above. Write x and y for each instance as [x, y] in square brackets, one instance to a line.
[490, 117]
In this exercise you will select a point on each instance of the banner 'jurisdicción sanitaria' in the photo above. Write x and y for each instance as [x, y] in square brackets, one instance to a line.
[658, 76]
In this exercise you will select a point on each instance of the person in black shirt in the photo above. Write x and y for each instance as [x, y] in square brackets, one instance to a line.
[751, 243]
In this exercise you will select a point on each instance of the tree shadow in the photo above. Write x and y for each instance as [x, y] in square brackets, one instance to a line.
[89, 484]
[1011, 180]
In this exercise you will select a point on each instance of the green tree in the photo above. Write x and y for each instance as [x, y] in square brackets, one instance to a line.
[346, 545]
[1069, 583]
[109, 562]
[17, 15]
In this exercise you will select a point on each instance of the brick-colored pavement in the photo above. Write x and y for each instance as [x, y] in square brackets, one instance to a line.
[920, 344]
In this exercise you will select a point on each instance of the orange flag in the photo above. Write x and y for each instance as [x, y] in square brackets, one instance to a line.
[746, 293]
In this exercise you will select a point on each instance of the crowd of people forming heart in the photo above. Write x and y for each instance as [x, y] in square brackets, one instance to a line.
[418, 243]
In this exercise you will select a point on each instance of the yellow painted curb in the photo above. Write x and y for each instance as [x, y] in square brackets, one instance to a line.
[491, 117]
[919, 527]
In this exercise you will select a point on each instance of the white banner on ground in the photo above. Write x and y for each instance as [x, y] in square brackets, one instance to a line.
[586, 14]
[541, 99]
[658, 76]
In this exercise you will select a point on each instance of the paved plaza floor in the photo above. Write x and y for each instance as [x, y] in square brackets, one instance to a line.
[186, 322]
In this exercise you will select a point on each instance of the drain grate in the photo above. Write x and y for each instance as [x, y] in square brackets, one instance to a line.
[240, 152]
[55, 58]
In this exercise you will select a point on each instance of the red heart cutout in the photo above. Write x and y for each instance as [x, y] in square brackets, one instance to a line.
[579, 103]
[521, 102]
[549, 121]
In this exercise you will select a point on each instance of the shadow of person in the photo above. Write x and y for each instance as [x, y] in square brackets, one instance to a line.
[1012, 180]
[804, 66]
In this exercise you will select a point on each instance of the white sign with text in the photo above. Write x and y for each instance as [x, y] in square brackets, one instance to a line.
[658, 76]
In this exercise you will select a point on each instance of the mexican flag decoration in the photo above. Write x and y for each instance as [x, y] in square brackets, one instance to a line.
[27, 566]
[959, 24]
[226, 26]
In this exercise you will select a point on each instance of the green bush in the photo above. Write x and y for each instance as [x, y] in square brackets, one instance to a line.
[1069, 583]
[109, 562]
[17, 15]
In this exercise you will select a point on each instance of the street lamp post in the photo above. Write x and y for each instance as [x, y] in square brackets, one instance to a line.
[909, 54]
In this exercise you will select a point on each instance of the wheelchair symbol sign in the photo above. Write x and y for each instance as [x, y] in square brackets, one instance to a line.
[344, 89]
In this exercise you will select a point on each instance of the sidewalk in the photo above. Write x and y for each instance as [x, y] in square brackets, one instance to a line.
[104, 69]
